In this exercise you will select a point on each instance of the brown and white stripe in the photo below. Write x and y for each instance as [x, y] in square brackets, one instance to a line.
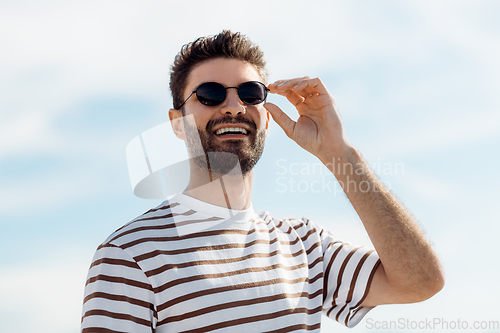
[250, 273]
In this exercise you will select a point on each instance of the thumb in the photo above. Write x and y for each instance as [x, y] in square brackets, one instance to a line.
[281, 119]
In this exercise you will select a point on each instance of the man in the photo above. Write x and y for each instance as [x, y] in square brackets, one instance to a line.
[205, 261]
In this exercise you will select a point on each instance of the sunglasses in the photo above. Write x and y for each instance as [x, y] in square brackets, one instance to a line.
[213, 93]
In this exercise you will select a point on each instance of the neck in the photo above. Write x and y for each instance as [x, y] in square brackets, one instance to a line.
[232, 191]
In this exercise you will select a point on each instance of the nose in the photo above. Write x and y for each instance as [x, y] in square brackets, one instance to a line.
[232, 104]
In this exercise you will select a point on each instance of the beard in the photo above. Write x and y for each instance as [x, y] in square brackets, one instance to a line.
[224, 156]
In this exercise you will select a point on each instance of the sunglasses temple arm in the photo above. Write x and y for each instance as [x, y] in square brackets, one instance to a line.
[186, 100]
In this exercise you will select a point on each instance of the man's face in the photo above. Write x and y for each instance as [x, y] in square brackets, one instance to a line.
[232, 113]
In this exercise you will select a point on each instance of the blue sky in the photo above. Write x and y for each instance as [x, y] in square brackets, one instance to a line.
[416, 83]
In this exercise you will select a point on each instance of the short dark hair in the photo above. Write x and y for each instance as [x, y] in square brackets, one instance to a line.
[226, 44]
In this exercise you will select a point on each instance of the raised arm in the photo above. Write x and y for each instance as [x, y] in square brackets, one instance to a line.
[410, 270]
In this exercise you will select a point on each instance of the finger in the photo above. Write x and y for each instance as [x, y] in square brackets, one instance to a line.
[305, 92]
[281, 119]
[310, 86]
[305, 87]
[283, 85]
[289, 84]
[272, 86]
[292, 97]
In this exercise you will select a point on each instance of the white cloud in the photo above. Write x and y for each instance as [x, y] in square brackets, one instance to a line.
[442, 133]
[30, 131]
[430, 189]
[50, 192]
[461, 23]
[43, 297]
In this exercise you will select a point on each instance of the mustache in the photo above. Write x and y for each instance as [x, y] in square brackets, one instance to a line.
[230, 120]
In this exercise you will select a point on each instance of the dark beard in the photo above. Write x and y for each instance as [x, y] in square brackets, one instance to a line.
[224, 158]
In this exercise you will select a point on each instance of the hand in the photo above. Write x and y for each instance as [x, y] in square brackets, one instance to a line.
[319, 128]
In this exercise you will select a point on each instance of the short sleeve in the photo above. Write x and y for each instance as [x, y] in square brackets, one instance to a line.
[118, 295]
[348, 271]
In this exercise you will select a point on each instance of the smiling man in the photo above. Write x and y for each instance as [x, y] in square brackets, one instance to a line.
[233, 269]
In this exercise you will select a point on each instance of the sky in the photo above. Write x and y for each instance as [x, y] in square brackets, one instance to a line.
[416, 83]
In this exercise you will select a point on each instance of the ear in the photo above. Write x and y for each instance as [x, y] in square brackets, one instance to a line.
[177, 123]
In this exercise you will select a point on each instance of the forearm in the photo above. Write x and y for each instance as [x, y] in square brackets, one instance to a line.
[408, 259]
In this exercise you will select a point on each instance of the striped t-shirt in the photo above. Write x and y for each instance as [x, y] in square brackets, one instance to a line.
[188, 266]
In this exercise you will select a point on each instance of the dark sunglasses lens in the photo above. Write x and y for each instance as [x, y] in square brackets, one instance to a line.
[252, 93]
[211, 93]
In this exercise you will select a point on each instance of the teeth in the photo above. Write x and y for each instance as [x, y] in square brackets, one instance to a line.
[231, 129]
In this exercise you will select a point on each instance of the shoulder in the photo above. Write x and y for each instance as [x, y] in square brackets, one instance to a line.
[160, 218]
[303, 227]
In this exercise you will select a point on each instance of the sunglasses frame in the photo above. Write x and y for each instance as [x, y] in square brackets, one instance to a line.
[226, 88]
